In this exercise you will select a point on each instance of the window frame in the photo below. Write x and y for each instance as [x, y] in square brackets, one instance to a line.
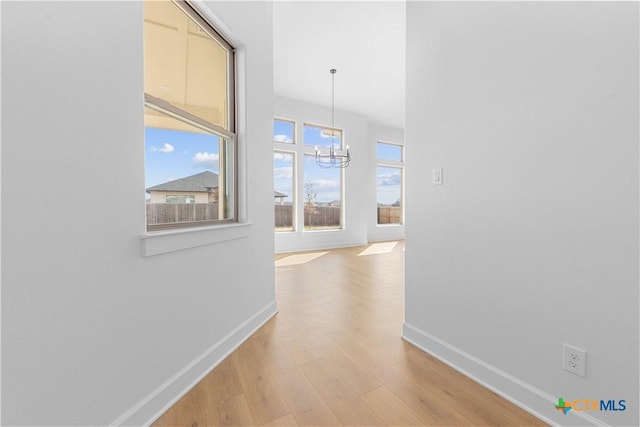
[387, 163]
[229, 133]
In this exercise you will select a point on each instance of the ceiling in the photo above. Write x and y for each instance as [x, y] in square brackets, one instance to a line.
[363, 40]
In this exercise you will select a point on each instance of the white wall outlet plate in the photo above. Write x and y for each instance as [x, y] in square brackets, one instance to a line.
[574, 360]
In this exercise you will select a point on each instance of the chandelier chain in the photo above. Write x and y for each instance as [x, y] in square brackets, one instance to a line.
[333, 108]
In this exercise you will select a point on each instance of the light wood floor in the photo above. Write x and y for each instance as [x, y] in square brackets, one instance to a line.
[333, 356]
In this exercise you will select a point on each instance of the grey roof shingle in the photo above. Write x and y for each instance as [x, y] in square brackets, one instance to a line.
[202, 181]
[279, 194]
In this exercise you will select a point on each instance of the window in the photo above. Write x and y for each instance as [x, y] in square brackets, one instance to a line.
[389, 179]
[190, 129]
[322, 188]
[284, 131]
[284, 163]
[283, 186]
[322, 196]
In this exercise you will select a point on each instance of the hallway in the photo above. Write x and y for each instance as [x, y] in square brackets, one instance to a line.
[333, 356]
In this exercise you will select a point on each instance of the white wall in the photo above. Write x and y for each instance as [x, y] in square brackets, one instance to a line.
[377, 133]
[89, 325]
[359, 192]
[532, 241]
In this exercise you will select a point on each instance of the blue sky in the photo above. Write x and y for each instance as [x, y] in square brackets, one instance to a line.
[388, 182]
[283, 174]
[172, 154]
[388, 151]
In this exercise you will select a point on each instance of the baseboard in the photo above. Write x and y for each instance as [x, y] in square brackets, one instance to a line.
[159, 400]
[385, 233]
[321, 247]
[520, 393]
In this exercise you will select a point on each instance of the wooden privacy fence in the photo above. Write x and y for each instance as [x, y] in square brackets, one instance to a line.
[166, 213]
[314, 216]
[321, 216]
[330, 215]
[284, 216]
[389, 215]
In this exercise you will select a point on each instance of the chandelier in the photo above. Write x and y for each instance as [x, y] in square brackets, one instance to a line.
[333, 159]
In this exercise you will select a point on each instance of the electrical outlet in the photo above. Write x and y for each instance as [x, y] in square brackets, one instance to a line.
[574, 360]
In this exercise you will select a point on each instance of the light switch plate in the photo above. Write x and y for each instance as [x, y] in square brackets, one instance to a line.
[436, 176]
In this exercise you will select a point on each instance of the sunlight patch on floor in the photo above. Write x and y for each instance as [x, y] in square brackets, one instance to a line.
[298, 259]
[379, 248]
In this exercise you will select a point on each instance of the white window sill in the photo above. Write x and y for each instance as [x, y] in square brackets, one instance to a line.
[163, 242]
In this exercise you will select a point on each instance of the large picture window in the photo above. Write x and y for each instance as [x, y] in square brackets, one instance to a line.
[283, 190]
[284, 174]
[389, 179]
[322, 196]
[190, 129]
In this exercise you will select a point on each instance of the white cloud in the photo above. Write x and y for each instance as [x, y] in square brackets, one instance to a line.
[282, 138]
[283, 172]
[205, 159]
[166, 148]
[325, 184]
[389, 179]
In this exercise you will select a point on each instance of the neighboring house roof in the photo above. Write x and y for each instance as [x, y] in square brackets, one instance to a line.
[279, 194]
[201, 182]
